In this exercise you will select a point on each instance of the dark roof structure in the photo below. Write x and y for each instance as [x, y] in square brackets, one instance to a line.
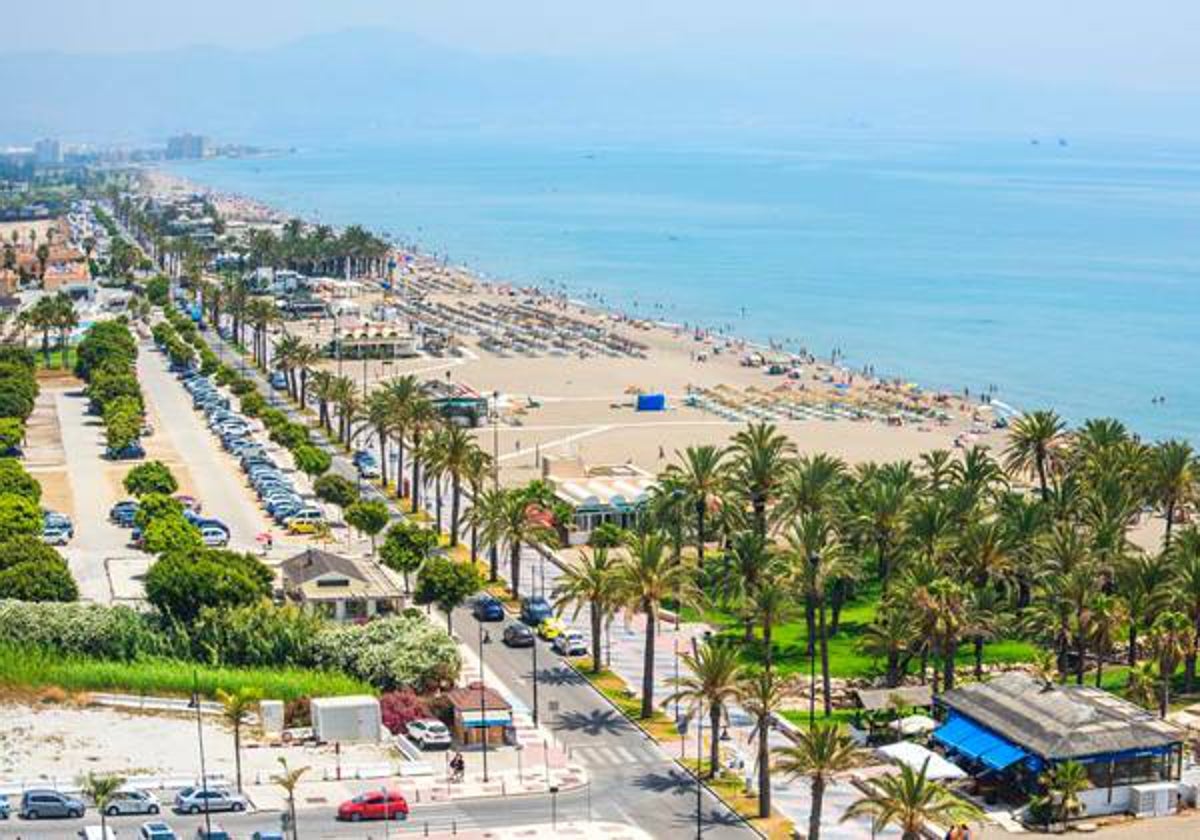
[313, 562]
[908, 697]
[467, 698]
[1062, 721]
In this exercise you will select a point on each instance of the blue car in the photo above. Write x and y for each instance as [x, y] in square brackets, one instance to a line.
[127, 453]
[535, 610]
[279, 380]
[487, 608]
[123, 513]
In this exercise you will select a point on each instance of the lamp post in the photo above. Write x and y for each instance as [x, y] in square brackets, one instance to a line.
[813, 561]
[535, 680]
[200, 739]
[699, 758]
[483, 705]
[495, 440]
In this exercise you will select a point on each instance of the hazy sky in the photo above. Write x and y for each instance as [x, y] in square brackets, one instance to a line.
[1144, 45]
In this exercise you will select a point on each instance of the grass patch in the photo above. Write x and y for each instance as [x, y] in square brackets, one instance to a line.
[56, 364]
[799, 717]
[660, 727]
[790, 641]
[32, 669]
[732, 789]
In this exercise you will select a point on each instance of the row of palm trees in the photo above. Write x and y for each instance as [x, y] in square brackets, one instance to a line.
[51, 314]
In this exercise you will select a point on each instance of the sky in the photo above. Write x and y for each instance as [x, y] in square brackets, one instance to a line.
[1105, 44]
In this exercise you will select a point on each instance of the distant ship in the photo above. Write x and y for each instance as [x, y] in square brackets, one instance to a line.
[1061, 141]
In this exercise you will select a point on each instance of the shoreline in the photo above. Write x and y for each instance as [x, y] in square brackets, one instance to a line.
[254, 210]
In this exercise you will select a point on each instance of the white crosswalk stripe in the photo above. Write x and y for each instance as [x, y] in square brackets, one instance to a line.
[611, 756]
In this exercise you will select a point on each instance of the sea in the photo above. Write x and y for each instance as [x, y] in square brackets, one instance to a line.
[1050, 272]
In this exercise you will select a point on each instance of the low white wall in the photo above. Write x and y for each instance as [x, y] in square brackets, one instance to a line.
[1098, 805]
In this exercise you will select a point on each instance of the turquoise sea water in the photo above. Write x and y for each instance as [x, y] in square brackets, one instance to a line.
[1067, 276]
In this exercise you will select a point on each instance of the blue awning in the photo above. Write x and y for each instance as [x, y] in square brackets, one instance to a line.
[969, 739]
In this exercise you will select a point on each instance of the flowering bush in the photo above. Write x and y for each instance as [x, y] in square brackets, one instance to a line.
[84, 629]
[390, 653]
[399, 708]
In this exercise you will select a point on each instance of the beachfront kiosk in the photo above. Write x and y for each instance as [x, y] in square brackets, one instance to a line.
[1006, 732]
[607, 493]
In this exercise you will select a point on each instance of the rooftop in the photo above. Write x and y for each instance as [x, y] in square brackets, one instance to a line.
[1060, 721]
[471, 698]
[324, 576]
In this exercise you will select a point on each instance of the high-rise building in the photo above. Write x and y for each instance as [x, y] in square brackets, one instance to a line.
[187, 146]
[47, 152]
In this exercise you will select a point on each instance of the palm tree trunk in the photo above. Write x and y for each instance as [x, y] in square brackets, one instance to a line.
[1165, 704]
[979, 657]
[766, 632]
[764, 770]
[825, 681]
[818, 803]
[514, 567]
[596, 637]
[493, 563]
[948, 665]
[400, 463]
[648, 664]
[455, 490]
[1099, 667]
[810, 622]
[1170, 512]
[714, 746]
[700, 531]
[416, 474]
[474, 541]
[383, 473]
[1132, 642]
[237, 755]
[437, 489]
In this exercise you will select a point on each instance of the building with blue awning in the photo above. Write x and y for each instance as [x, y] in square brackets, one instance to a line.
[1014, 727]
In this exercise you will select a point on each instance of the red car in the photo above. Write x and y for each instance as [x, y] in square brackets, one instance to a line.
[374, 805]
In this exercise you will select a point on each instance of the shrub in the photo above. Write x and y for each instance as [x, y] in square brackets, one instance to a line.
[19, 515]
[390, 653]
[171, 534]
[257, 634]
[399, 708]
[241, 386]
[336, 490]
[83, 629]
[157, 290]
[312, 461]
[154, 506]
[183, 582]
[253, 403]
[150, 477]
[30, 570]
[297, 713]
[108, 342]
[14, 479]
[12, 432]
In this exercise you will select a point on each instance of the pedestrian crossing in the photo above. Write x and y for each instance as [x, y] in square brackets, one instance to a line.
[611, 755]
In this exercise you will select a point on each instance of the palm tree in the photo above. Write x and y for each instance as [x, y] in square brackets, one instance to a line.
[910, 801]
[1173, 478]
[761, 454]
[404, 393]
[715, 672]
[1105, 617]
[420, 417]
[478, 470]
[516, 527]
[100, 788]
[1142, 582]
[65, 319]
[647, 576]
[1063, 783]
[380, 415]
[236, 708]
[589, 581]
[700, 476]
[762, 693]
[487, 513]
[304, 358]
[820, 753]
[1171, 637]
[890, 637]
[457, 447]
[289, 780]
[323, 389]
[285, 351]
[1031, 441]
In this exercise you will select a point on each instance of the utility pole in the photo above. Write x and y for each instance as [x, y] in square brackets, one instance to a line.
[699, 758]
[483, 705]
[535, 681]
[200, 739]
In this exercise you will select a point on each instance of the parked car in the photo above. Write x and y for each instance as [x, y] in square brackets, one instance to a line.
[5, 808]
[123, 512]
[306, 521]
[518, 635]
[214, 537]
[131, 802]
[54, 519]
[157, 831]
[279, 380]
[126, 453]
[55, 535]
[96, 832]
[214, 833]
[428, 733]
[570, 643]
[487, 608]
[194, 800]
[535, 609]
[43, 804]
[552, 628]
[374, 805]
[189, 502]
[267, 835]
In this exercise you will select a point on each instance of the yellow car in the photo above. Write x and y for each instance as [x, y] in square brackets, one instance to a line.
[551, 627]
[308, 521]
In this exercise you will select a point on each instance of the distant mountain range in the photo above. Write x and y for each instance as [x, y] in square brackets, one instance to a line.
[362, 85]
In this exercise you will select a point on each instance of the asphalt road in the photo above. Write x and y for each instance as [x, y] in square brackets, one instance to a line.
[633, 779]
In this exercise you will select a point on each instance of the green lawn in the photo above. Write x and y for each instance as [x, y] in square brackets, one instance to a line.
[845, 660]
[31, 668]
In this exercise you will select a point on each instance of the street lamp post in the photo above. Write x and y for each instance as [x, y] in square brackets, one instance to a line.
[535, 680]
[699, 758]
[483, 706]
[200, 739]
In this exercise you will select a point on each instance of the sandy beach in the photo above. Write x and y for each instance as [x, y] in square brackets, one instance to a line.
[564, 389]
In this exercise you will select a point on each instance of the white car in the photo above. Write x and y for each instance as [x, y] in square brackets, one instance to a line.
[131, 802]
[192, 800]
[570, 643]
[214, 537]
[428, 733]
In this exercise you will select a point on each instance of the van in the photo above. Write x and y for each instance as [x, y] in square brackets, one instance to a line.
[94, 832]
[307, 521]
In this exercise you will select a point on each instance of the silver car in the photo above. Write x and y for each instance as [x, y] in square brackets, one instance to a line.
[428, 733]
[194, 800]
[131, 802]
